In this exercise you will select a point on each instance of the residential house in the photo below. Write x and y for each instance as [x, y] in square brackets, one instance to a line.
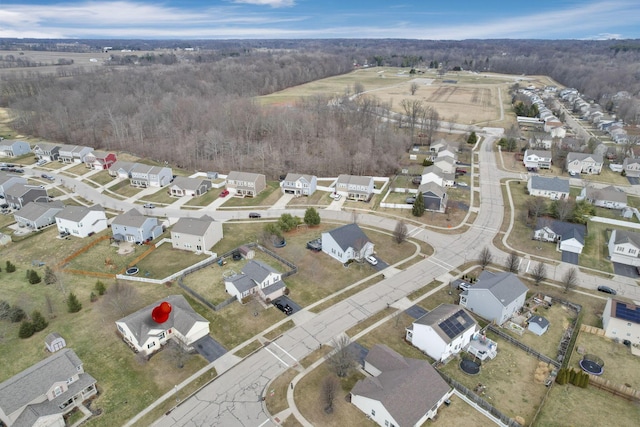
[14, 148]
[46, 151]
[584, 163]
[8, 179]
[146, 336]
[538, 325]
[346, 243]
[150, 176]
[256, 278]
[246, 184]
[43, 393]
[121, 169]
[537, 159]
[568, 236]
[624, 247]
[54, 342]
[607, 197]
[132, 226]
[17, 196]
[299, 185]
[99, 160]
[355, 187]
[540, 142]
[37, 215]
[433, 173]
[194, 187]
[496, 296]
[442, 332]
[434, 196]
[81, 221]
[73, 153]
[621, 320]
[401, 392]
[196, 234]
[446, 164]
[631, 167]
[552, 188]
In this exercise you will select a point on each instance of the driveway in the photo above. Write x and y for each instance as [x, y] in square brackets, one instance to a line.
[209, 348]
[570, 257]
[286, 300]
[633, 180]
[358, 351]
[416, 311]
[381, 265]
[625, 270]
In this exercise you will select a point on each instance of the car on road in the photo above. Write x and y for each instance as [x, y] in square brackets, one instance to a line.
[410, 200]
[371, 260]
[254, 215]
[224, 193]
[149, 206]
[49, 177]
[462, 184]
[607, 290]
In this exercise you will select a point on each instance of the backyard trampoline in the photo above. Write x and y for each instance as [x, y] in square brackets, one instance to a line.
[470, 367]
[592, 364]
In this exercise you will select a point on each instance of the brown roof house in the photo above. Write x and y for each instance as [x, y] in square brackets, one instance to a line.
[43, 393]
[400, 392]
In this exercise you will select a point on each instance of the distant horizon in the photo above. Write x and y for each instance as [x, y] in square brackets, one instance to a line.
[456, 20]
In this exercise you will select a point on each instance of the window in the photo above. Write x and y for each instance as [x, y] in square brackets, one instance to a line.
[386, 423]
[151, 344]
[69, 380]
[373, 412]
[632, 251]
[161, 335]
[57, 391]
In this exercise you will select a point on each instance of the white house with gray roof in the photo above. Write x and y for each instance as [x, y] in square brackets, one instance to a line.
[578, 163]
[442, 332]
[495, 296]
[46, 151]
[246, 184]
[624, 247]
[37, 215]
[537, 159]
[150, 176]
[184, 186]
[256, 278]
[8, 179]
[608, 197]
[401, 391]
[631, 167]
[121, 169]
[81, 221]
[14, 148]
[196, 234]
[132, 226]
[299, 184]
[144, 335]
[346, 243]
[552, 188]
[355, 187]
[568, 236]
[435, 174]
[41, 394]
[73, 153]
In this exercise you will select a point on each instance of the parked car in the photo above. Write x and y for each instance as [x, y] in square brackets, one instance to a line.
[607, 290]
[254, 215]
[371, 260]
[224, 193]
[337, 197]
[285, 308]
[315, 245]
[410, 200]
[149, 206]
[461, 171]
[462, 184]
[49, 177]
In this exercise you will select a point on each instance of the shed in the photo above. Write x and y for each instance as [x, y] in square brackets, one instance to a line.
[54, 342]
[4, 239]
[247, 252]
[538, 325]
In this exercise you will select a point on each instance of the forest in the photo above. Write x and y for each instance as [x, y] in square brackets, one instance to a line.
[197, 109]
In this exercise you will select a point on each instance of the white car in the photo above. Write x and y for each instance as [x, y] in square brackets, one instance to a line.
[149, 206]
[337, 197]
[372, 260]
[462, 184]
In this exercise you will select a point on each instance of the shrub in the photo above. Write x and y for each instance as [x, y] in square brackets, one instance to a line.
[73, 305]
[33, 277]
[100, 288]
[93, 297]
[16, 314]
[10, 268]
[26, 330]
[49, 276]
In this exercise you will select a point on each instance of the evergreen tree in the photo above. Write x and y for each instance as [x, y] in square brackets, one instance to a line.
[418, 205]
[93, 297]
[473, 138]
[100, 288]
[33, 277]
[311, 217]
[49, 276]
[73, 305]
[26, 330]
[38, 321]
[10, 268]
[16, 314]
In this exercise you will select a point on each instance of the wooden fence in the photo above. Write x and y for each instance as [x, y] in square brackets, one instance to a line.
[615, 389]
[524, 347]
[592, 330]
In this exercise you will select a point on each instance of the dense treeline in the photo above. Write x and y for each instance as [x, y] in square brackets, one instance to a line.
[201, 116]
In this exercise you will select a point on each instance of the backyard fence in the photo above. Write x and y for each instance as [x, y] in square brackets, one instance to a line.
[479, 403]
[83, 249]
[524, 347]
[615, 389]
[592, 330]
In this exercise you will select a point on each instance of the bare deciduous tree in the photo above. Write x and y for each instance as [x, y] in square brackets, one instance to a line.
[539, 273]
[430, 122]
[413, 110]
[342, 359]
[330, 387]
[561, 209]
[401, 232]
[485, 257]
[569, 279]
[536, 206]
[120, 298]
[413, 88]
[51, 311]
[512, 262]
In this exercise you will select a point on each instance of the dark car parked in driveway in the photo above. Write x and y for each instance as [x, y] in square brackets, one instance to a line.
[606, 290]
[285, 308]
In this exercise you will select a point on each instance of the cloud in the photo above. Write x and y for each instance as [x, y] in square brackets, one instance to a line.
[272, 3]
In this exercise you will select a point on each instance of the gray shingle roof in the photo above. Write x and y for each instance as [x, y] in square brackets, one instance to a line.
[550, 184]
[539, 320]
[122, 164]
[77, 213]
[34, 210]
[567, 230]
[354, 179]
[623, 236]
[408, 392]
[243, 176]
[186, 183]
[131, 218]
[182, 318]
[545, 154]
[433, 189]
[192, 226]
[608, 193]
[348, 236]
[506, 287]
[584, 156]
[447, 313]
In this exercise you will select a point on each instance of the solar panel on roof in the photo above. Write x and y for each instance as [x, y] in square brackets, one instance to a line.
[454, 325]
[627, 313]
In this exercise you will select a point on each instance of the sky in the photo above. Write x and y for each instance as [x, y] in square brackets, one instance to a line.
[306, 19]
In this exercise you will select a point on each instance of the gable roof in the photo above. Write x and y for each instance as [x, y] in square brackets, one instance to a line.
[193, 226]
[131, 218]
[539, 320]
[293, 177]
[624, 236]
[122, 164]
[433, 189]
[19, 189]
[584, 156]
[348, 236]
[182, 318]
[549, 184]
[407, 391]
[4, 177]
[544, 154]
[243, 176]
[505, 286]
[354, 180]
[77, 213]
[34, 210]
[189, 183]
[567, 230]
[36, 380]
[609, 193]
[448, 321]
[253, 272]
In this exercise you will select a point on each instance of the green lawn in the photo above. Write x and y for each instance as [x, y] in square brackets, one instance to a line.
[78, 170]
[266, 197]
[161, 197]
[124, 189]
[206, 199]
[101, 177]
[165, 260]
